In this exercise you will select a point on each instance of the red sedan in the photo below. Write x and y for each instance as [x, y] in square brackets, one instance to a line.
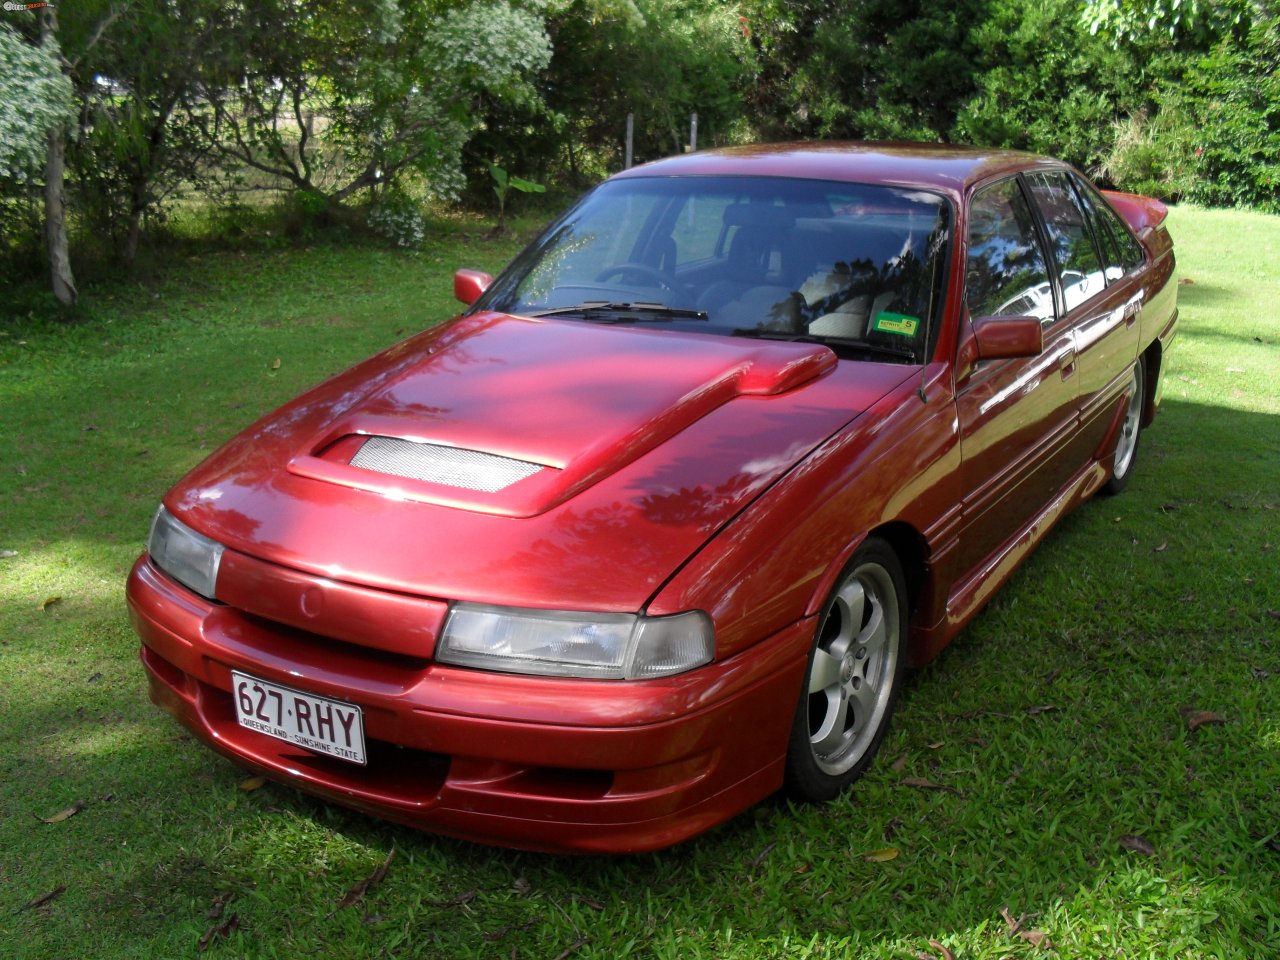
[653, 528]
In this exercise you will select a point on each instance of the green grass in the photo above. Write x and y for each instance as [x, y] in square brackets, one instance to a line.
[1166, 597]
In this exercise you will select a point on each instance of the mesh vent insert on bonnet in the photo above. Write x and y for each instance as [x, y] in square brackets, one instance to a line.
[451, 466]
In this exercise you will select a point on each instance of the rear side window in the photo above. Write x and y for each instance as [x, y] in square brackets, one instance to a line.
[1128, 252]
[1006, 274]
[1070, 239]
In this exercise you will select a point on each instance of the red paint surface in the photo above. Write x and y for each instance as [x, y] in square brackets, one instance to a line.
[681, 471]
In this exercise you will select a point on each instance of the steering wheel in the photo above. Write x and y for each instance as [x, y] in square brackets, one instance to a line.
[641, 270]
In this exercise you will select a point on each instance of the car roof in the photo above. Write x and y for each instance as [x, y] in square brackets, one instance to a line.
[930, 166]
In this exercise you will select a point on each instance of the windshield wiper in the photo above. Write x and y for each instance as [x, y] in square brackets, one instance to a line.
[624, 312]
[853, 343]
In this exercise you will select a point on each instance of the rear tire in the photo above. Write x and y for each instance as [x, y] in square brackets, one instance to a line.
[1126, 451]
[851, 682]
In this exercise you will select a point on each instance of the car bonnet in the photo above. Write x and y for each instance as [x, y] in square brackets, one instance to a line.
[550, 463]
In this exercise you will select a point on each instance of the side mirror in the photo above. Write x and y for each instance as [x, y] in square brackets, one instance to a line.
[469, 284]
[1000, 338]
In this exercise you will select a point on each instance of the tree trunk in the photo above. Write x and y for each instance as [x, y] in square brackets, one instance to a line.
[137, 207]
[55, 220]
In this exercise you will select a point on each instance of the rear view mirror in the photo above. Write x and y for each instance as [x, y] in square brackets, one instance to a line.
[469, 284]
[1000, 338]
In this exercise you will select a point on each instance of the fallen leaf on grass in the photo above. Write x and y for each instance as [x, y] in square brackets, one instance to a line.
[1198, 718]
[891, 828]
[219, 931]
[522, 886]
[900, 764]
[218, 907]
[95, 678]
[1034, 937]
[881, 856]
[755, 864]
[943, 952]
[458, 901]
[1164, 545]
[1137, 845]
[1185, 281]
[48, 602]
[47, 898]
[920, 783]
[1274, 614]
[253, 783]
[357, 892]
[572, 948]
[1042, 708]
[6, 554]
[275, 364]
[66, 814]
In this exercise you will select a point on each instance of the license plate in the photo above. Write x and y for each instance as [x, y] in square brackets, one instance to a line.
[321, 725]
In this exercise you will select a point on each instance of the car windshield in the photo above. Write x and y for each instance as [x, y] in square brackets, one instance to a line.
[855, 266]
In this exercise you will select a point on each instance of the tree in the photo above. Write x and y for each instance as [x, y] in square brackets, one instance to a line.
[658, 59]
[142, 136]
[864, 68]
[1043, 83]
[35, 97]
[338, 97]
[34, 116]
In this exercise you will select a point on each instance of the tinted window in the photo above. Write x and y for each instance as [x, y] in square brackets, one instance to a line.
[1112, 259]
[1070, 239]
[847, 264]
[1128, 251]
[1006, 273]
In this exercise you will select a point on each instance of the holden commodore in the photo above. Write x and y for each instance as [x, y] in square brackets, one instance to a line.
[652, 529]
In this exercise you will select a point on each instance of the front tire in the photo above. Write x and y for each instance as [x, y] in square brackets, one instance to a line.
[1126, 451]
[852, 679]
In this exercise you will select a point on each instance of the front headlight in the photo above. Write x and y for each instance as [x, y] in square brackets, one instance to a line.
[190, 558]
[608, 646]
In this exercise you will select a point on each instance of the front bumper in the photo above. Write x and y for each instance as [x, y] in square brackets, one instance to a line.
[532, 762]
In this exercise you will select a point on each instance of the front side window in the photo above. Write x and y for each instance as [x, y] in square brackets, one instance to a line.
[1070, 239]
[858, 267]
[1006, 274]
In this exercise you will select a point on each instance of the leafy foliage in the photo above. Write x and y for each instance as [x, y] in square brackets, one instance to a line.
[35, 96]
[1044, 88]
[339, 97]
[336, 102]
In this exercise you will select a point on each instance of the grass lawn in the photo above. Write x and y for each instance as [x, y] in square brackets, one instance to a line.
[1078, 798]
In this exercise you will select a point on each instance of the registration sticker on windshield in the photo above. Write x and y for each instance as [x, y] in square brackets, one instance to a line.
[899, 323]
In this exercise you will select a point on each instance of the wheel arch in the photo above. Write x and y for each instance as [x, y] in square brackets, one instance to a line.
[911, 549]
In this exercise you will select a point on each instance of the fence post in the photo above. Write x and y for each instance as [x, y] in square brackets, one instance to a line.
[693, 132]
[631, 131]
